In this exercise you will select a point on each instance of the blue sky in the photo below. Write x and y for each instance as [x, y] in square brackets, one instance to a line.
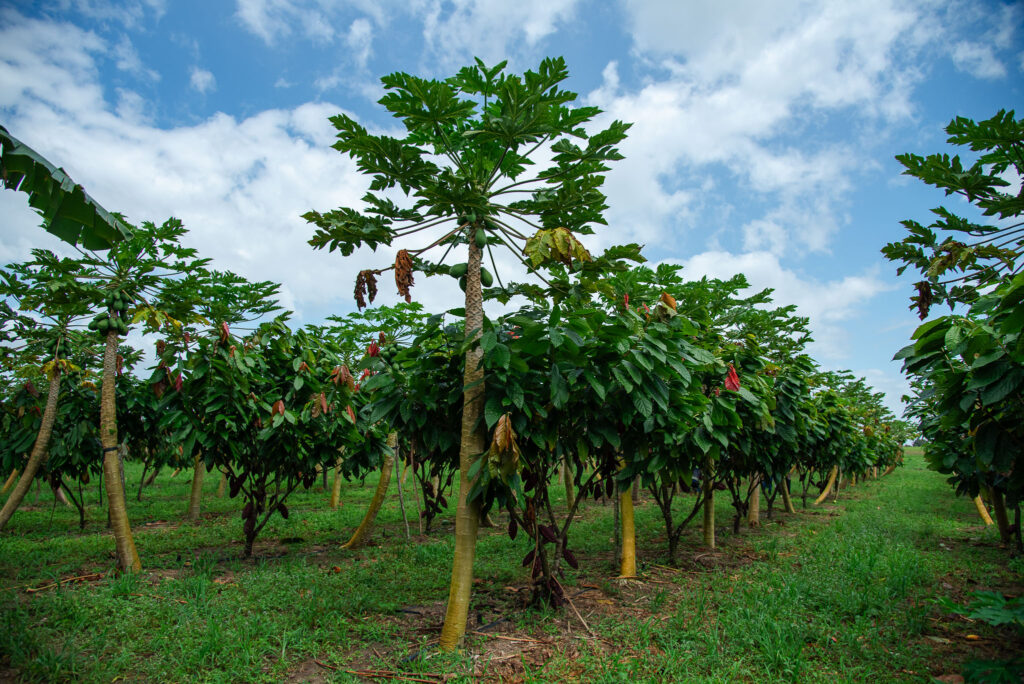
[763, 137]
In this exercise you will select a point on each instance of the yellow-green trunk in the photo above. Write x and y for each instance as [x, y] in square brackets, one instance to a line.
[359, 536]
[336, 485]
[196, 495]
[828, 486]
[10, 481]
[787, 500]
[628, 564]
[708, 484]
[982, 510]
[38, 454]
[754, 509]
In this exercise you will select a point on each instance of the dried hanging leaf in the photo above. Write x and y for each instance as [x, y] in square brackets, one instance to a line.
[366, 284]
[403, 274]
[668, 300]
[503, 456]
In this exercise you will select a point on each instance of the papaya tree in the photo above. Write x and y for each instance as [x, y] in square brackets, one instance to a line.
[464, 168]
[48, 289]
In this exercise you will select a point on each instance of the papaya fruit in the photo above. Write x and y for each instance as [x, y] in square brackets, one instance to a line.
[486, 279]
[462, 283]
[458, 270]
[481, 238]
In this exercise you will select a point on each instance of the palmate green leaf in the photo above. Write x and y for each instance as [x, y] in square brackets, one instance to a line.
[426, 103]
[67, 210]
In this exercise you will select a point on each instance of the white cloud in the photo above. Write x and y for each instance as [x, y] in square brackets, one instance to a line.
[129, 13]
[978, 60]
[313, 19]
[745, 89]
[828, 304]
[128, 60]
[202, 80]
[360, 39]
[455, 32]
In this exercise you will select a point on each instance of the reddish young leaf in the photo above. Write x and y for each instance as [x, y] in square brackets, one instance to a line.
[732, 380]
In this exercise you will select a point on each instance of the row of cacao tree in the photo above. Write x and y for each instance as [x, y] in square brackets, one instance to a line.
[612, 374]
[966, 367]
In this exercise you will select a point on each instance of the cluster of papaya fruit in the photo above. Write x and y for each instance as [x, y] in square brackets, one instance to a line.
[114, 317]
[52, 347]
[459, 271]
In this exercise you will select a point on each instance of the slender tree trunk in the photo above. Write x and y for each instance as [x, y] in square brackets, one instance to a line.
[982, 510]
[570, 493]
[39, 451]
[195, 498]
[222, 485]
[401, 496]
[359, 536]
[787, 500]
[10, 481]
[152, 478]
[889, 470]
[336, 485]
[828, 485]
[628, 564]
[127, 556]
[1002, 519]
[708, 483]
[473, 443]
[754, 507]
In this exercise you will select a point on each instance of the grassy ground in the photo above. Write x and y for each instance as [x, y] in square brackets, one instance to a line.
[843, 592]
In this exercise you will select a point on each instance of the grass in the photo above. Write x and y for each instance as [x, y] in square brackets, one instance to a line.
[843, 592]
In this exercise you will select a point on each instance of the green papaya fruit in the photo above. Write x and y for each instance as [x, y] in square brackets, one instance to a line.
[462, 283]
[471, 217]
[486, 279]
[481, 238]
[92, 324]
[103, 325]
[458, 270]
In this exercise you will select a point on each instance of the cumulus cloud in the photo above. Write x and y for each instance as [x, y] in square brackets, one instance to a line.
[978, 60]
[202, 80]
[458, 31]
[731, 90]
[828, 304]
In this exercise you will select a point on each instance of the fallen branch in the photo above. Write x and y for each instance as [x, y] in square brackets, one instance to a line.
[508, 638]
[81, 578]
[402, 676]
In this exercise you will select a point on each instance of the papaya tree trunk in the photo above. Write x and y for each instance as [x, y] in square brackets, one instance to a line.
[127, 556]
[10, 481]
[336, 485]
[982, 510]
[708, 483]
[359, 536]
[39, 451]
[473, 443]
[754, 506]
[196, 496]
[628, 564]
[828, 486]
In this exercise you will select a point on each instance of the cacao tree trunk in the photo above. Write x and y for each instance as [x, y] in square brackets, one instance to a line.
[828, 486]
[10, 481]
[628, 563]
[127, 556]
[473, 444]
[787, 500]
[982, 510]
[39, 451]
[336, 485]
[708, 483]
[1002, 518]
[570, 494]
[196, 496]
[222, 485]
[754, 507]
[359, 536]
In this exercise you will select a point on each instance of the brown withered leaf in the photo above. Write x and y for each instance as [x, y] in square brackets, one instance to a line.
[366, 285]
[403, 274]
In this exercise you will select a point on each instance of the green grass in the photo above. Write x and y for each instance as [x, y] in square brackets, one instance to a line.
[838, 593]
